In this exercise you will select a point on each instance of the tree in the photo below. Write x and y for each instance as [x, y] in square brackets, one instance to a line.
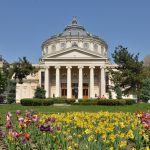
[22, 69]
[11, 91]
[39, 92]
[110, 94]
[129, 71]
[145, 91]
[118, 92]
[146, 69]
[3, 83]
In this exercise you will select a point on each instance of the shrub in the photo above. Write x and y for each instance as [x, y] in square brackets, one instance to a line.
[59, 100]
[62, 100]
[115, 102]
[70, 101]
[11, 91]
[118, 92]
[39, 92]
[36, 102]
[87, 102]
[130, 101]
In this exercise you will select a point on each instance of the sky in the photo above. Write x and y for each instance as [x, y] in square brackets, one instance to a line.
[25, 24]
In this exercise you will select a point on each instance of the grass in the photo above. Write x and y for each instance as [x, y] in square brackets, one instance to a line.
[74, 108]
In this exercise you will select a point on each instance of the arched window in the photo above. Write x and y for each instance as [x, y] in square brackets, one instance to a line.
[53, 48]
[46, 50]
[63, 45]
[102, 50]
[95, 47]
[86, 45]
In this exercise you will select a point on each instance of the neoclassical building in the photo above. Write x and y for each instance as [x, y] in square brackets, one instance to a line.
[73, 59]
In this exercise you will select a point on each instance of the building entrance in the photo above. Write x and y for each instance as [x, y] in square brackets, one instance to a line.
[64, 89]
[85, 90]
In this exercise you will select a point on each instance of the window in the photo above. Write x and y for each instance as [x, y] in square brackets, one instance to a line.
[95, 47]
[85, 74]
[86, 45]
[63, 45]
[46, 50]
[42, 79]
[102, 50]
[107, 81]
[53, 48]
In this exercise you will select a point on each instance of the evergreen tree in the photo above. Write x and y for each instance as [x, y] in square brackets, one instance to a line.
[3, 83]
[39, 92]
[11, 91]
[145, 91]
[118, 92]
[129, 71]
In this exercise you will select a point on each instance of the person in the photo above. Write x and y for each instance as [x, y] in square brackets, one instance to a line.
[103, 97]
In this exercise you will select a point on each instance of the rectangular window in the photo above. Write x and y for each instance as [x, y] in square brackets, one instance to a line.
[42, 79]
[107, 81]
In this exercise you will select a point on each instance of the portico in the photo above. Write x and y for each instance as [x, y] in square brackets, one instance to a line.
[60, 81]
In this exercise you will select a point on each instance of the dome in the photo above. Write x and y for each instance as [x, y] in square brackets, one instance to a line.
[74, 29]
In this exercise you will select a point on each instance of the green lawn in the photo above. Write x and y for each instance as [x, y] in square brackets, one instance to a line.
[55, 109]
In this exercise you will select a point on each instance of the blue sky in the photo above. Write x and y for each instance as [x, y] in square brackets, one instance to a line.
[25, 24]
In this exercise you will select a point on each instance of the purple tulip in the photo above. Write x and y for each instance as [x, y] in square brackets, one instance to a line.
[24, 141]
[1, 134]
[58, 128]
[53, 119]
[18, 112]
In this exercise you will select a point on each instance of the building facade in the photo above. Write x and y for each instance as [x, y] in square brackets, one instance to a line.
[73, 63]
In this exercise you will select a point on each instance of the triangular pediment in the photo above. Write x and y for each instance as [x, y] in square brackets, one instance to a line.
[74, 53]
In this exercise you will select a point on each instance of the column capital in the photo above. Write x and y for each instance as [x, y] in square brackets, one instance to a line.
[68, 67]
[102, 67]
[46, 67]
[91, 67]
[57, 67]
[80, 67]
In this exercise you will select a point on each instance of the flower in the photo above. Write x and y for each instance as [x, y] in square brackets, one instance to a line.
[69, 148]
[130, 134]
[27, 136]
[18, 112]
[123, 144]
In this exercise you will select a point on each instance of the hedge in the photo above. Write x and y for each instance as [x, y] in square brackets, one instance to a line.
[86, 102]
[114, 102]
[62, 100]
[130, 101]
[36, 102]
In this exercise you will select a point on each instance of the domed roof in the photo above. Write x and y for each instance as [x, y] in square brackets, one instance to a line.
[74, 29]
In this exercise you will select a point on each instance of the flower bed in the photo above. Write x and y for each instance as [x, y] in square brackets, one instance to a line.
[77, 131]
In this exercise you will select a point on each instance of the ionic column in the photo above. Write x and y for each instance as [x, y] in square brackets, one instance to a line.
[103, 84]
[57, 94]
[91, 81]
[80, 88]
[68, 81]
[46, 85]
